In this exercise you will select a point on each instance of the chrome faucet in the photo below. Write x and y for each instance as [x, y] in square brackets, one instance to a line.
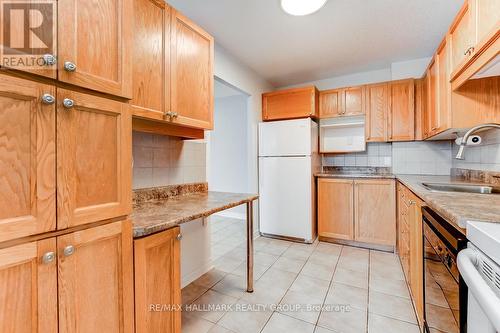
[465, 138]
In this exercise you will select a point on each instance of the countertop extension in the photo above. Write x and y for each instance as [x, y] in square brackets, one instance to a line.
[156, 215]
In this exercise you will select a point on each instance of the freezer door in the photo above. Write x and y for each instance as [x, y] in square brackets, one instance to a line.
[286, 138]
[285, 200]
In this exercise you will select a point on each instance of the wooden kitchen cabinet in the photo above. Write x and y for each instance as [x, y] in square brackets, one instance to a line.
[96, 37]
[336, 208]
[192, 79]
[28, 287]
[487, 14]
[342, 102]
[375, 211]
[290, 104]
[462, 36]
[420, 109]
[95, 279]
[151, 59]
[377, 108]
[27, 158]
[157, 281]
[402, 111]
[410, 245]
[93, 159]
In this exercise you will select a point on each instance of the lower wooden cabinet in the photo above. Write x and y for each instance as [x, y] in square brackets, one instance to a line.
[157, 282]
[375, 211]
[336, 208]
[78, 282]
[362, 211]
[410, 245]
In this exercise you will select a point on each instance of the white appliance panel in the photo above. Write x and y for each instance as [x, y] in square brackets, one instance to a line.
[285, 196]
[286, 138]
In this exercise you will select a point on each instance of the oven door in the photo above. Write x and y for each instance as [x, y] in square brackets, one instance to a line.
[445, 292]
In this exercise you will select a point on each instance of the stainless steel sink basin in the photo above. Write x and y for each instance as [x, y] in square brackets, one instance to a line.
[466, 188]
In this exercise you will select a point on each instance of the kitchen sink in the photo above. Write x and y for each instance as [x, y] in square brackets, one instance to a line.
[466, 188]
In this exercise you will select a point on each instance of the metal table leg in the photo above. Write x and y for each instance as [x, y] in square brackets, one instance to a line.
[250, 247]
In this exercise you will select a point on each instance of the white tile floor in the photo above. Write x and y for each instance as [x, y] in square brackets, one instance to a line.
[320, 288]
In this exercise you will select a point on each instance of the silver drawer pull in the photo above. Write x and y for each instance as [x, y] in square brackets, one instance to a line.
[69, 66]
[48, 99]
[68, 103]
[179, 236]
[49, 60]
[68, 250]
[48, 257]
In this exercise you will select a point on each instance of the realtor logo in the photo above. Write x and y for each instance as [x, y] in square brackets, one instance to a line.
[27, 32]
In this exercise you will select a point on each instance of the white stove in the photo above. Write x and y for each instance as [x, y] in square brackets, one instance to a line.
[479, 266]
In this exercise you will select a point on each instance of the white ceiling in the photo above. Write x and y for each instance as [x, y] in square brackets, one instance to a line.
[346, 36]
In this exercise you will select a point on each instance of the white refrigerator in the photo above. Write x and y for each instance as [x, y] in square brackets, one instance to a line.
[288, 159]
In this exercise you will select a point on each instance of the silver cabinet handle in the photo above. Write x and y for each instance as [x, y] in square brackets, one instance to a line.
[48, 99]
[49, 60]
[175, 114]
[48, 257]
[179, 236]
[69, 66]
[68, 103]
[69, 250]
[411, 202]
[168, 114]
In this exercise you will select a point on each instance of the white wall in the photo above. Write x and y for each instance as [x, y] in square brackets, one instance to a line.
[228, 149]
[409, 69]
[230, 70]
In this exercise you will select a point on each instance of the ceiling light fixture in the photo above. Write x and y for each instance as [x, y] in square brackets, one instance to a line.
[302, 7]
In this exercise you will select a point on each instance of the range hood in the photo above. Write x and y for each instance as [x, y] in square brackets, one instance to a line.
[491, 69]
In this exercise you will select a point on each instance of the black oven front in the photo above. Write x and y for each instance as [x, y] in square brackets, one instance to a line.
[445, 292]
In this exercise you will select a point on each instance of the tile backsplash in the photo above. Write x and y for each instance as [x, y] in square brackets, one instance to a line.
[376, 155]
[484, 157]
[163, 160]
[422, 157]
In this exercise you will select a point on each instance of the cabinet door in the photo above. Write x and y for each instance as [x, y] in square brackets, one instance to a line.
[330, 104]
[462, 37]
[192, 76]
[377, 108]
[444, 89]
[289, 104]
[157, 281]
[375, 212]
[27, 159]
[95, 279]
[420, 109]
[353, 101]
[96, 37]
[402, 112]
[93, 159]
[151, 59]
[416, 250]
[21, 51]
[28, 287]
[487, 14]
[432, 99]
[335, 208]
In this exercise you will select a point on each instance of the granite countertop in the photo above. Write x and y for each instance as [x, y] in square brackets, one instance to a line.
[457, 208]
[355, 172]
[154, 213]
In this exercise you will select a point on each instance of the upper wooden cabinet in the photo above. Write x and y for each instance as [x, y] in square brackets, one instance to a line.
[375, 211]
[335, 208]
[28, 281]
[157, 281]
[151, 59]
[173, 79]
[192, 79]
[474, 37]
[342, 102]
[27, 158]
[402, 112]
[93, 159]
[377, 108]
[95, 279]
[290, 104]
[95, 45]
